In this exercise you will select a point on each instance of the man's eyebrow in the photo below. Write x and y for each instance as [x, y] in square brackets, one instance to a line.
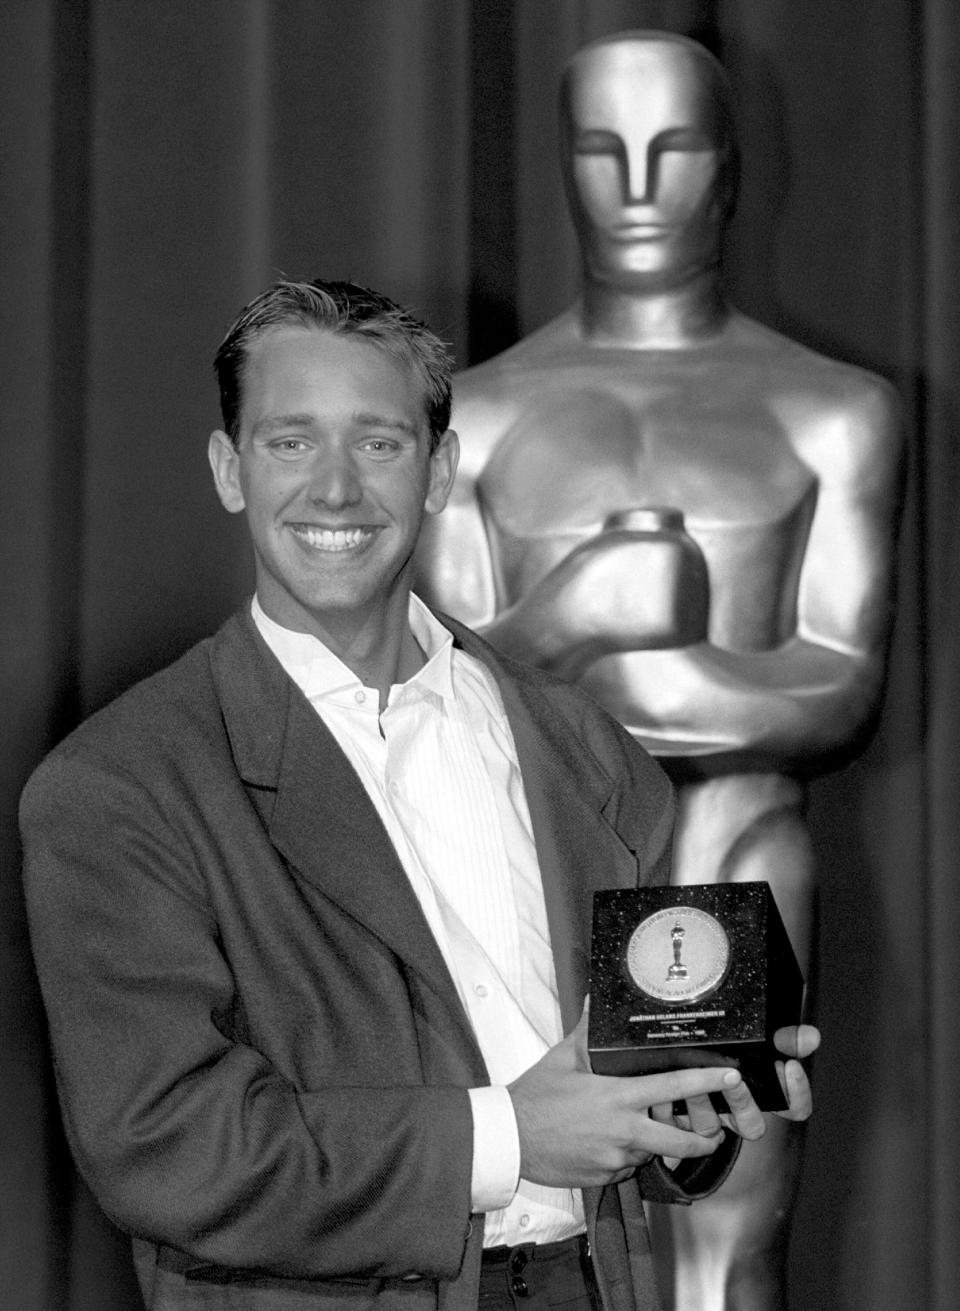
[277, 421]
[369, 419]
[365, 418]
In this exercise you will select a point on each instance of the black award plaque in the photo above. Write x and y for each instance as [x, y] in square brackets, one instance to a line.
[696, 975]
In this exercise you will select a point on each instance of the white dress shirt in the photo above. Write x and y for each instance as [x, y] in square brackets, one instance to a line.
[440, 766]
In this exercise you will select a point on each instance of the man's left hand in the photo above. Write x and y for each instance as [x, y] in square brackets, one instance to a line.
[745, 1118]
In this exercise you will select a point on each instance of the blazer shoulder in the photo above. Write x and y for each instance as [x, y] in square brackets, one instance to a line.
[159, 721]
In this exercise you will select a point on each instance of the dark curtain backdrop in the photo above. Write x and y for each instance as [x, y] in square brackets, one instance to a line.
[160, 162]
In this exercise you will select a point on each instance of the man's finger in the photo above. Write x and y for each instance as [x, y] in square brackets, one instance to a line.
[796, 1085]
[797, 1040]
[745, 1114]
[669, 1140]
[679, 1085]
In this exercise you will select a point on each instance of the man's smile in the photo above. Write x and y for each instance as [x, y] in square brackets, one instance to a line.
[332, 539]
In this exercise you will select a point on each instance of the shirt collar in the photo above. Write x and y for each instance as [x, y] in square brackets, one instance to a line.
[318, 672]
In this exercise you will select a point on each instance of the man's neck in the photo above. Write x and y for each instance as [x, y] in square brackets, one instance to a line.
[666, 320]
[380, 666]
[377, 646]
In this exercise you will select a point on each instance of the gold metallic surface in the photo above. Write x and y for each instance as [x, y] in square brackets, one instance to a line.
[695, 517]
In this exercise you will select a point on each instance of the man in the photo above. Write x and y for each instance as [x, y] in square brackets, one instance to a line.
[746, 652]
[310, 907]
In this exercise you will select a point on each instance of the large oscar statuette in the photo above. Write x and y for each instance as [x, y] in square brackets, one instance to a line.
[697, 975]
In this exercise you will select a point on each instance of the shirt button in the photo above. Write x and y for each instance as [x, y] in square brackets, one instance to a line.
[480, 989]
[395, 788]
[524, 1221]
[360, 697]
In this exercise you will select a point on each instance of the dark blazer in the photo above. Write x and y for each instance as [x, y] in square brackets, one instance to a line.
[261, 1057]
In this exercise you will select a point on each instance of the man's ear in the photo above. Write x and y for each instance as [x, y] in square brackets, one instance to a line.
[225, 463]
[443, 467]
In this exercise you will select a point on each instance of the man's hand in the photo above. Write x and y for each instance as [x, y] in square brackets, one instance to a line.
[745, 1117]
[578, 1128]
[796, 1042]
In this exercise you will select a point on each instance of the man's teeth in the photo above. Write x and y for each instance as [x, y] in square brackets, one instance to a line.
[335, 539]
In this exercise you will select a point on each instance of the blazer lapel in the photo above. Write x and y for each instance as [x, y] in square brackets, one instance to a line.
[322, 820]
[578, 851]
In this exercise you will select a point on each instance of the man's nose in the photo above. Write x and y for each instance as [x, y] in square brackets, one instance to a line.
[334, 480]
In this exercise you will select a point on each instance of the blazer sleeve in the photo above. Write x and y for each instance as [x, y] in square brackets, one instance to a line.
[188, 1137]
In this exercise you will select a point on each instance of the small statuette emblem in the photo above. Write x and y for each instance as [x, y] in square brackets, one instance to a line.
[678, 955]
[677, 970]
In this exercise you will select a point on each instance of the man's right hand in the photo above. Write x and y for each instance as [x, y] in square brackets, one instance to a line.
[578, 1128]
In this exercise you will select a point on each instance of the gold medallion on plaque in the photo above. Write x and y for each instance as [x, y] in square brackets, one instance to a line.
[678, 955]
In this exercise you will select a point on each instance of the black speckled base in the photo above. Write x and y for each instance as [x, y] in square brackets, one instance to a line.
[632, 1032]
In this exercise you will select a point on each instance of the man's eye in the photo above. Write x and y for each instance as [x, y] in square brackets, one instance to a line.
[379, 445]
[288, 445]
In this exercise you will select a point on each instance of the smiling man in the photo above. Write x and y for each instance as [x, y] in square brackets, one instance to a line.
[310, 908]
[335, 466]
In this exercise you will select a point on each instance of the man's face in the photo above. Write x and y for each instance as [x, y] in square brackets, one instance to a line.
[334, 472]
[642, 134]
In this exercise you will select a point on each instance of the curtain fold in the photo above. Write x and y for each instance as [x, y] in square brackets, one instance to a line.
[161, 163]
[941, 429]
